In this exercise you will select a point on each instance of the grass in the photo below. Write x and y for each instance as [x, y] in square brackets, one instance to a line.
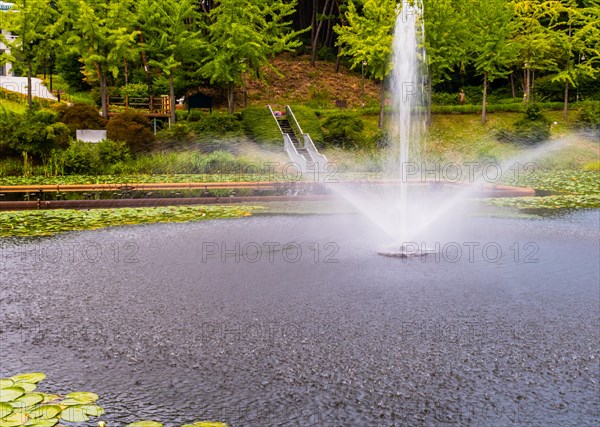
[259, 123]
[51, 222]
[15, 107]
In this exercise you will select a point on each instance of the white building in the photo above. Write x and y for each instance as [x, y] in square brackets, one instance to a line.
[5, 69]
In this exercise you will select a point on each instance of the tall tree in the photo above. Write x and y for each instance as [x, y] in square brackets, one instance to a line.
[242, 37]
[172, 36]
[366, 36]
[578, 37]
[492, 27]
[101, 30]
[31, 21]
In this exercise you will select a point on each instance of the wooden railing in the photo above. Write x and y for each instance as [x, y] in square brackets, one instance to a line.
[156, 105]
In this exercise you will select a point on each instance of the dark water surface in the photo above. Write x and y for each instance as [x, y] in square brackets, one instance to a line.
[163, 326]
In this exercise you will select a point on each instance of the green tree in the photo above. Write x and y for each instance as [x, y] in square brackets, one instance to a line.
[100, 31]
[172, 36]
[578, 37]
[242, 37]
[538, 50]
[447, 28]
[31, 21]
[492, 27]
[366, 36]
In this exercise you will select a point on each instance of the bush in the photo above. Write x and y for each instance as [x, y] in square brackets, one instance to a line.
[134, 90]
[110, 152]
[343, 129]
[37, 133]
[590, 115]
[81, 116]
[531, 129]
[80, 158]
[179, 134]
[132, 128]
[219, 125]
[261, 126]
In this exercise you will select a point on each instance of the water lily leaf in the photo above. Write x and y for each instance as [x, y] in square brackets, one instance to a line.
[5, 409]
[70, 402]
[5, 382]
[74, 414]
[83, 396]
[45, 412]
[11, 393]
[28, 387]
[50, 397]
[144, 424]
[31, 377]
[42, 423]
[27, 400]
[92, 410]
[206, 424]
[13, 420]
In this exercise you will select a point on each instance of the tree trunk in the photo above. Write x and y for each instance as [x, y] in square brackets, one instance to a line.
[231, 97]
[512, 85]
[566, 109]
[172, 97]
[103, 94]
[382, 105]
[29, 88]
[429, 93]
[315, 39]
[485, 83]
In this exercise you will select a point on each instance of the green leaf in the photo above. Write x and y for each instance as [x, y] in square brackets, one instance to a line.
[83, 396]
[42, 423]
[13, 420]
[92, 410]
[45, 412]
[32, 377]
[11, 393]
[28, 400]
[144, 424]
[5, 383]
[74, 414]
[28, 387]
[5, 409]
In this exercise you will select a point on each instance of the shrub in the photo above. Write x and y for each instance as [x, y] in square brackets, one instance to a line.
[134, 90]
[179, 134]
[81, 116]
[80, 158]
[531, 129]
[37, 133]
[132, 128]
[219, 124]
[590, 115]
[343, 129]
[110, 152]
[261, 126]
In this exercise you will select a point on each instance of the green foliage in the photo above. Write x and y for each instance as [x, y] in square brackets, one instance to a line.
[367, 36]
[260, 126]
[21, 405]
[590, 115]
[133, 128]
[309, 122]
[533, 128]
[81, 116]
[36, 132]
[177, 135]
[134, 90]
[79, 158]
[219, 125]
[343, 129]
[242, 36]
[70, 65]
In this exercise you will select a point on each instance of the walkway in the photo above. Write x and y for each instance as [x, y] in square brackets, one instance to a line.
[19, 84]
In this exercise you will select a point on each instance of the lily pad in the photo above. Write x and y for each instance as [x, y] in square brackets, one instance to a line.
[92, 410]
[31, 377]
[28, 400]
[144, 424]
[13, 420]
[5, 409]
[11, 393]
[83, 396]
[28, 387]
[51, 422]
[206, 424]
[74, 414]
[5, 382]
[45, 412]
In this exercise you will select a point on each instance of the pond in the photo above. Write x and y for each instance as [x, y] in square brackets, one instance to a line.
[295, 320]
